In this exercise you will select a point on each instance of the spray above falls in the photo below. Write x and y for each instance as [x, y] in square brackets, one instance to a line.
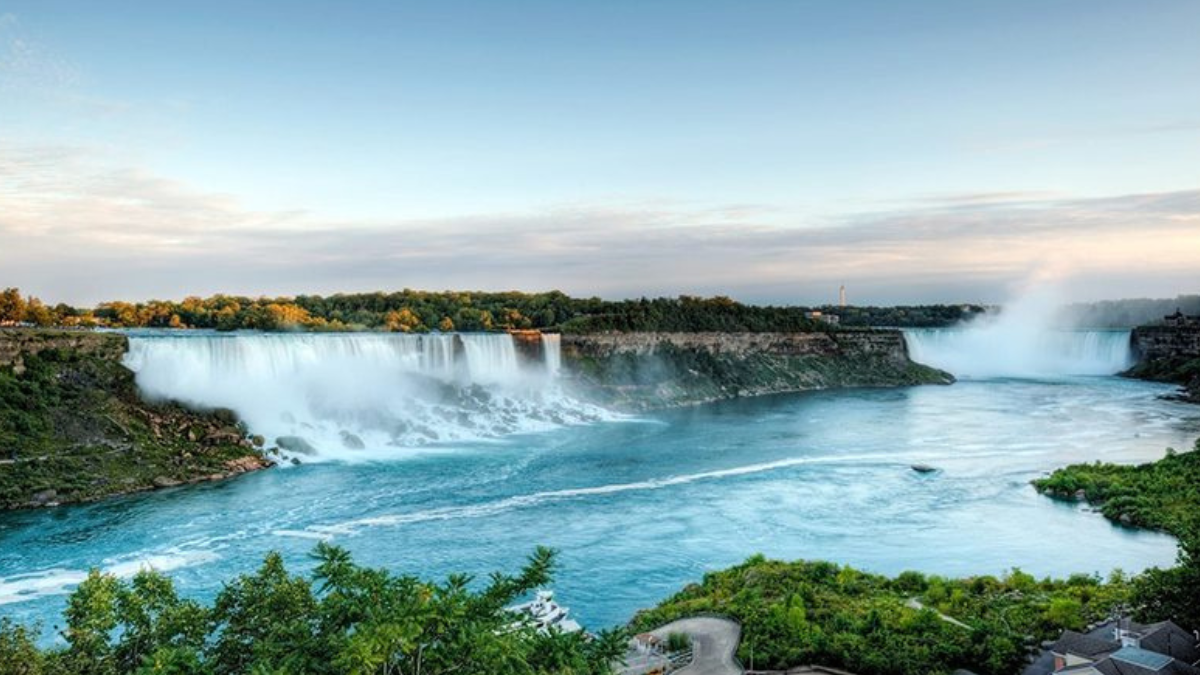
[1023, 340]
[358, 395]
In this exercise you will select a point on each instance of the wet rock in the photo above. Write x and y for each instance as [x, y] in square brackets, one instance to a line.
[1126, 519]
[165, 482]
[1080, 495]
[296, 444]
[44, 496]
[295, 461]
[352, 441]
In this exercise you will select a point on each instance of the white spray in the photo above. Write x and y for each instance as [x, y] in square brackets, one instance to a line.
[1025, 339]
[360, 396]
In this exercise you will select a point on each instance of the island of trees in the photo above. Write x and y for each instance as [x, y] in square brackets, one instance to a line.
[421, 311]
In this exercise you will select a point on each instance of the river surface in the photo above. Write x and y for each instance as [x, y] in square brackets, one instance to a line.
[640, 507]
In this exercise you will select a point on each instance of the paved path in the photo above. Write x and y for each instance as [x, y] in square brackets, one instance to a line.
[714, 643]
[914, 603]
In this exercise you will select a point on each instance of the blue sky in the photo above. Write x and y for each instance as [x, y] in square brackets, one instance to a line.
[917, 151]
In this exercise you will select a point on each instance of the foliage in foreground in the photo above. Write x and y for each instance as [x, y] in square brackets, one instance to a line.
[1163, 495]
[818, 612]
[347, 620]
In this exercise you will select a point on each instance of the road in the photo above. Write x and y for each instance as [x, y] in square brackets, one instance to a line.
[714, 644]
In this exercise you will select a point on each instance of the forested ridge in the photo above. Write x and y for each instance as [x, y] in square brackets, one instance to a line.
[421, 311]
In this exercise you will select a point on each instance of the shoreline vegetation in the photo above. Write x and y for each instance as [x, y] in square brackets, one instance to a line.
[1161, 495]
[73, 427]
[804, 612]
[412, 311]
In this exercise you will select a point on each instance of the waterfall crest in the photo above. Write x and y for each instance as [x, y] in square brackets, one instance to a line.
[358, 395]
[988, 352]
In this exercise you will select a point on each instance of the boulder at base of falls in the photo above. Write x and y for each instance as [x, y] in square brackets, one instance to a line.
[352, 441]
[295, 444]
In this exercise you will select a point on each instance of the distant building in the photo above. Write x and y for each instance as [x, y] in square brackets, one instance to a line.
[1128, 648]
[1180, 319]
[817, 315]
[842, 296]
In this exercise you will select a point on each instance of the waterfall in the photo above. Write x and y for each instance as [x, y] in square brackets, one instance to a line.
[552, 352]
[491, 358]
[346, 392]
[991, 351]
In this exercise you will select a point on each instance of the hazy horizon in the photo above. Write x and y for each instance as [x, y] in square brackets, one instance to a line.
[937, 152]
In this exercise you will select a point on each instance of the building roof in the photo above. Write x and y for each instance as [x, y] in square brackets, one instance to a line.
[1168, 638]
[1129, 665]
[1084, 645]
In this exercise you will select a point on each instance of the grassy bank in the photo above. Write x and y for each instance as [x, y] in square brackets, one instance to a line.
[72, 427]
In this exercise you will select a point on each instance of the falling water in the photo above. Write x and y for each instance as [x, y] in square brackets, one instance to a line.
[340, 392]
[552, 352]
[980, 353]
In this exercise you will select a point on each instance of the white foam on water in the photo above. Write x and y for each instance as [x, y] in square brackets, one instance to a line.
[352, 527]
[60, 581]
[391, 393]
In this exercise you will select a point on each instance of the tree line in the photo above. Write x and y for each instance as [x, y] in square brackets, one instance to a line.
[422, 311]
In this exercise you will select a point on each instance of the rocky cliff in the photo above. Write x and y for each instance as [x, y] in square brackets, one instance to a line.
[1169, 354]
[639, 371]
[72, 427]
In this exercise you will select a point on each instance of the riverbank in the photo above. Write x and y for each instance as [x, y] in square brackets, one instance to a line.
[74, 429]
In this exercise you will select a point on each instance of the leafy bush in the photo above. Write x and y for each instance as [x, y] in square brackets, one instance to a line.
[346, 620]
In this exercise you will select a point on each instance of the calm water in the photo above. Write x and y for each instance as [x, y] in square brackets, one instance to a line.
[640, 508]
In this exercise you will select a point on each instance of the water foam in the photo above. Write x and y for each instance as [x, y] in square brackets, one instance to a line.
[346, 393]
[352, 527]
[60, 581]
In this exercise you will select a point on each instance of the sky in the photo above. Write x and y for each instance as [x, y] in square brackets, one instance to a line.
[924, 151]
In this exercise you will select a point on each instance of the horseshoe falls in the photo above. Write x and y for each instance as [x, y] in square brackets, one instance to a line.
[992, 352]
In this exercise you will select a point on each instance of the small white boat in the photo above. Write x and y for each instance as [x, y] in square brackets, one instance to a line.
[545, 614]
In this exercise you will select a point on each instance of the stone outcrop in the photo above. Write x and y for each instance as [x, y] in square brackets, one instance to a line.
[18, 343]
[1169, 354]
[639, 371]
[1166, 342]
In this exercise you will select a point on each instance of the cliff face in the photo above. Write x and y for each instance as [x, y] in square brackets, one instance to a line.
[72, 427]
[1169, 354]
[640, 371]
[18, 343]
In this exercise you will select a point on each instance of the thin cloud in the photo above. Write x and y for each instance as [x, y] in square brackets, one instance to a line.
[73, 227]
